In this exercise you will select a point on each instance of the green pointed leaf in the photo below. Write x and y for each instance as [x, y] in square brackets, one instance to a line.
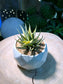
[21, 35]
[23, 30]
[30, 29]
[20, 41]
[25, 27]
[29, 32]
[39, 41]
[21, 47]
[32, 36]
[19, 38]
[35, 30]
[37, 37]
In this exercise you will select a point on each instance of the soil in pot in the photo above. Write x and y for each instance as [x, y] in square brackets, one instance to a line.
[30, 53]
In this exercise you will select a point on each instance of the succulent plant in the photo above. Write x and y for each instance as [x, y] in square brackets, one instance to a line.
[28, 40]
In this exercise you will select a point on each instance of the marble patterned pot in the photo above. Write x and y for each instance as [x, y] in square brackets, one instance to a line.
[30, 62]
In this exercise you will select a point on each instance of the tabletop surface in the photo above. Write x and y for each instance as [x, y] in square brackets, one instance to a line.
[50, 73]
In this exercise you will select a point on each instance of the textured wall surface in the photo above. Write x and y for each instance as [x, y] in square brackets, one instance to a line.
[15, 4]
[8, 4]
[29, 3]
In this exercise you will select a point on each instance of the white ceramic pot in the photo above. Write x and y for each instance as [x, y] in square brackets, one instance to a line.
[30, 62]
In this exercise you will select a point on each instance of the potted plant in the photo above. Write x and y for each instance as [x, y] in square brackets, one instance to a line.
[30, 51]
